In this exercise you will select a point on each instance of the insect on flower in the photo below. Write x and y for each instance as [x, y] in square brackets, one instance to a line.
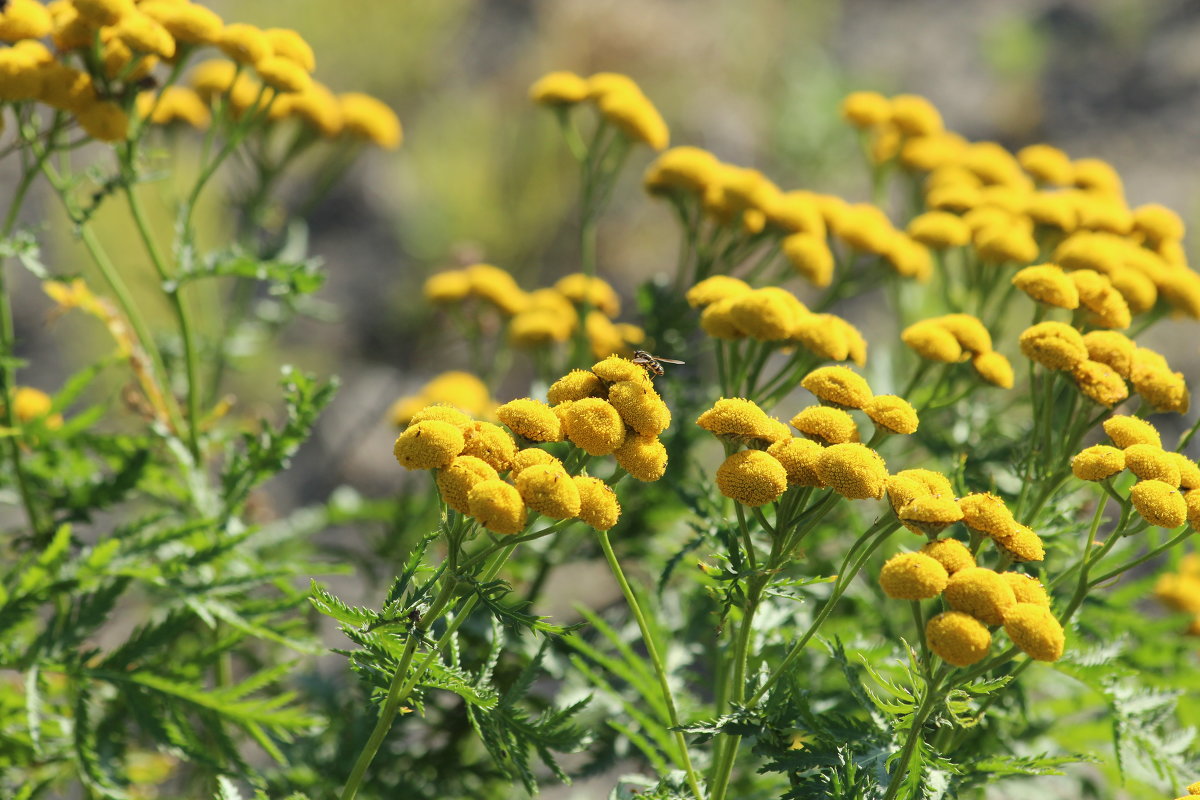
[653, 364]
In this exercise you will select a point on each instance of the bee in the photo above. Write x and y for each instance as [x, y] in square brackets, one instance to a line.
[653, 364]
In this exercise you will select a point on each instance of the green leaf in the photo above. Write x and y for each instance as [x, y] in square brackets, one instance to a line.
[331, 606]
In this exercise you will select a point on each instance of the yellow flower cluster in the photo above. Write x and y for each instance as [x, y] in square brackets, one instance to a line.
[732, 310]
[839, 389]
[952, 338]
[617, 97]
[455, 389]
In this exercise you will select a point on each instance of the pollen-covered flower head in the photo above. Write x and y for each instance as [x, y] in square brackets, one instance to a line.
[865, 109]
[1112, 348]
[995, 368]
[742, 419]
[428, 445]
[980, 592]
[1100, 383]
[852, 470]
[1149, 462]
[1046, 164]
[1159, 503]
[632, 113]
[1021, 545]
[1098, 295]
[930, 515]
[717, 320]
[752, 477]
[593, 425]
[528, 457]
[952, 554]
[576, 385]
[939, 230]
[826, 425]
[958, 638]
[447, 288]
[891, 413]
[24, 20]
[455, 481]
[1126, 431]
[1049, 284]
[811, 257]
[443, 413]
[1027, 588]
[830, 337]
[838, 386]
[596, 292]
[532, 419]
[549, 490]
[799, 457]
[287, 43]
[498, 506]
[615, 369]
[560, 88]
[932, 341]
[497, 287]
[914, 115]
[366, 117]
[643, 457]
[1097, 462]
[987, 513]
[685, 168]
[490, 443]
[1164, 390]
[189, 23]
[1189, 471]
[1034, 629]
[1054, 345]
[912, 576]
[640, 406]
[714, 288]
[598, 504]
[767, 314]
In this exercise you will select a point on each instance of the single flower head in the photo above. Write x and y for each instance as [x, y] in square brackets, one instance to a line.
[529, 457]
[1048, 284]
[752, 477]
[1125, 431]
[952, 554]
[548, 489]
[981, 593]
[1034, 629]
[1097, 462]
[456, 481]
[498, 507]
[643, 457]
[994, 368]
[930, 515]
[826, 425]
[598, 504]
[958, 638]
[717, 287]
[428, 445]
[490, 443]
[841, 387]
[1022, 545]
[799, 458]
[912, 576]
[640, 406]
[1027, 588]
[1152, 463]
[593, 425]
[1100, 383]
[1159, 503]
[1054, 345]
[576, 385]
[892, 414]
[852, 470]
[559, 89]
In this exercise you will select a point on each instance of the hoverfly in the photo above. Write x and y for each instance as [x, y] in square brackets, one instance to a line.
[653, 364]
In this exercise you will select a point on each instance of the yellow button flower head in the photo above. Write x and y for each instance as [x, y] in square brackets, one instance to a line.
[1126, 431]
[1034, 629]
[245, 44]
[1027, 588]
[838, 386]
[688, 169]
[994, 368]
[912, 576]
[866, 109]
[575, 385]
[908, 257]
[1022, 545]
[30, 404]
[561, 88]
[498, 507]
[987, 514]
[1159, 503]
[1181, 288]
[893, 414]
[852, 470]
[1093, 173]
[1138, 290]
[826, 425]
[490, 443]
[1163, 389]
[998, 245]
[1054, 345]
[915, 115]
[739, 418]
[717, 287]
[1189, 471]
[939, 230]
[809, 253]
[497, 287]
[752, 477]
[1149, 462]
[864, 227]
[1097, 462]
[549, 490]
[1052, 210]
[441, 413]
[459, 389]
[767, 314]
[640, 407]
[455, 481]
[930, 515]
[428, 445]
[594, 426]
[952, 554]
[285, 75]
[823, 334]
[597, 292]
[955, 197]
[717, 320]
[935, 483]
[142, 34]
[367, 118]
[1097, 294]
[632, 113]
[927, 153]
[1193, 788]
[176, 104]
[598, 504]
[957, 638]
[932, 341]
[447, 288]
[1100, 383]
[615, 369]
[968, 330]
[1046, 164]
[187, 22]
[291, 45]
[799, 458]
[104, 121]
[901, 491]
[104, 12]
[24, 19]
[1112, 348]
[532, 419]
[796, 212]
[643, 457]
[528, 457]
[1158, 223]
[1049, 284]
[980, 592]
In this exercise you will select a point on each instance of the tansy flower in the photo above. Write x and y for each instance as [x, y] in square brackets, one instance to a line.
[1149, 462]
[104, 12]
[615, 369]
[596, 292]
[528, 457]
[865, 228]
[442, 413]
[643, 457]
[952, 554]
[559, 89]
[1158, 223]
[935, 483]
[811, 257]
[1027, 588]
[908, 257]
[915, 115]
[912, 576]
[598, 504]
[428, 445]
[1052, 210]
[532, 419]
[141, 34]
[998, 245]
[1180, 592]
[1049, 284]
[1189, 471]
[933, 342]
[799, 458]
[838, 386]
[594, 426]
[987, 513]
[930, 515]
[175, 104]
[497, 287]
[717, 287]
[634, 115]
[968, 331]
[795, 212]
[1100, 382]
[737, 417]
[367, 118]
[1097, 462]
[455, 481]
[981, 593]
[831, 337]
[104, 121]
[957, 638]
[752, 477]
[1096, 293]
[1163, 389]
[549, 490]
[189, 23]
[1126, 431]
[538, 327]
[575, 385]
[866, 109]
[994, 368]
[826, 425]
[717, 320]
[285, 75]
[1034, 629]
[1112, 348]
[289, 44]
[767, 314]
[245, 44]
[1046, 164]
[1054, 345]
[1021, 545]
[490, 443]
[640, 407]
[1159, 503]
[892, 413]
[498, 506]
[688, 169]
[852, 470]
[1098, 175]
[939, 230]
[30, 404]
[24, 19]
[1180, 287]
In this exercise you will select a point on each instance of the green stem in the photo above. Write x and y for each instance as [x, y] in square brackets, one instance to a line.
[931, 698]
